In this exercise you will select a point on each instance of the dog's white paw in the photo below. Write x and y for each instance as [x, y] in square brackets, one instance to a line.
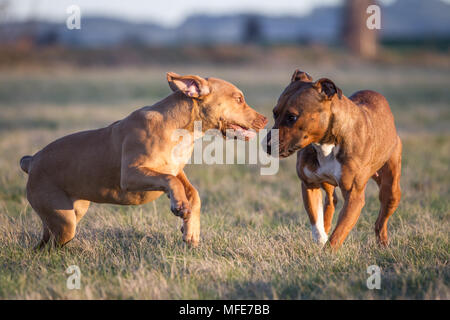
[319, 236]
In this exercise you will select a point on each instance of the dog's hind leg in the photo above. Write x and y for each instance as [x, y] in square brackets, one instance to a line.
[81, 207]
[330, 205]
[390, 193]
[61, 222]
[55, 209]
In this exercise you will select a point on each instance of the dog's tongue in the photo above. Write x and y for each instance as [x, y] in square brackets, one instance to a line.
[250, 134]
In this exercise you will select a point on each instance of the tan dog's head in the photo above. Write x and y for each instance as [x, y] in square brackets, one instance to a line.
[222, 105]
[303, 112]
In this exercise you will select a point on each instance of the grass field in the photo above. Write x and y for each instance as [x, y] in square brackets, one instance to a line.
[256, 239]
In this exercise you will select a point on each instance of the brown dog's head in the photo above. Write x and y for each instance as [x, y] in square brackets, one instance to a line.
[303, 112]
[222, 105]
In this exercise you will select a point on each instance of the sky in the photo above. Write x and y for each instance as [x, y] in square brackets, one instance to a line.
[168, 13]
[164, 12]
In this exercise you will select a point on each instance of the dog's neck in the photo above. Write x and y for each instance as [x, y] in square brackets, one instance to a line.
[346, 118]
[186, 111]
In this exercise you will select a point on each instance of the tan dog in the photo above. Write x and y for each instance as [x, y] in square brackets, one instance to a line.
[130, 162]
[343, 142]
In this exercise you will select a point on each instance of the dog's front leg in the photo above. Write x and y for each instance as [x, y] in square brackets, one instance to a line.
[354, 202]
[312, 200]
[191, 223]
[145, 179]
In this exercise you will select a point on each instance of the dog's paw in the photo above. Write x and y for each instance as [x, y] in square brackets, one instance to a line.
[383, 242]
[191, 230]
[180, 208]
[191, 239]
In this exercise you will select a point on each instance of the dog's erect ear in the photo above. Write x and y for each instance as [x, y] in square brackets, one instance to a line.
[302, 76]
[328, 88]
[191, 86]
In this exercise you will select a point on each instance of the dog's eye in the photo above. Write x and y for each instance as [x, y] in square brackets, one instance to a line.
[239, 99]
[291, 118]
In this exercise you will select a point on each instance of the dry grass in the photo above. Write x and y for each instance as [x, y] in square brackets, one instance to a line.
[256, 240]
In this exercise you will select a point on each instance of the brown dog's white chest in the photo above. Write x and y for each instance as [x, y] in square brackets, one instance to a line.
[329, 168]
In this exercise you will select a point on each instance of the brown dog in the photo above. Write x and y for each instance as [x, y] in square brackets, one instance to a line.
[131, 161]
[342, 142]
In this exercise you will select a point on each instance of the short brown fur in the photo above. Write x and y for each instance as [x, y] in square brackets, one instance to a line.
[310, 115]
[130, 162]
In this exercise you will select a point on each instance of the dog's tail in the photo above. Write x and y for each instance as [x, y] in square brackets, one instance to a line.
[25, 163]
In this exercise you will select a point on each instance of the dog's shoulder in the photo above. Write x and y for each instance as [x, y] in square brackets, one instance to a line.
[142, 121]
[369, 98]
[145, 115]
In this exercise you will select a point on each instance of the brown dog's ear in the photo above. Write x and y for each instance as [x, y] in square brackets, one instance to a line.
[328, 88]
[191, 86]
[300, 75]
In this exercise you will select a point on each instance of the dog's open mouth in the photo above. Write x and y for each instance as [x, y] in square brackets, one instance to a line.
[239, 131]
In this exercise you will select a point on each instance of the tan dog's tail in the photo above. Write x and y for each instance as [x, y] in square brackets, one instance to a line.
[25, 163]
